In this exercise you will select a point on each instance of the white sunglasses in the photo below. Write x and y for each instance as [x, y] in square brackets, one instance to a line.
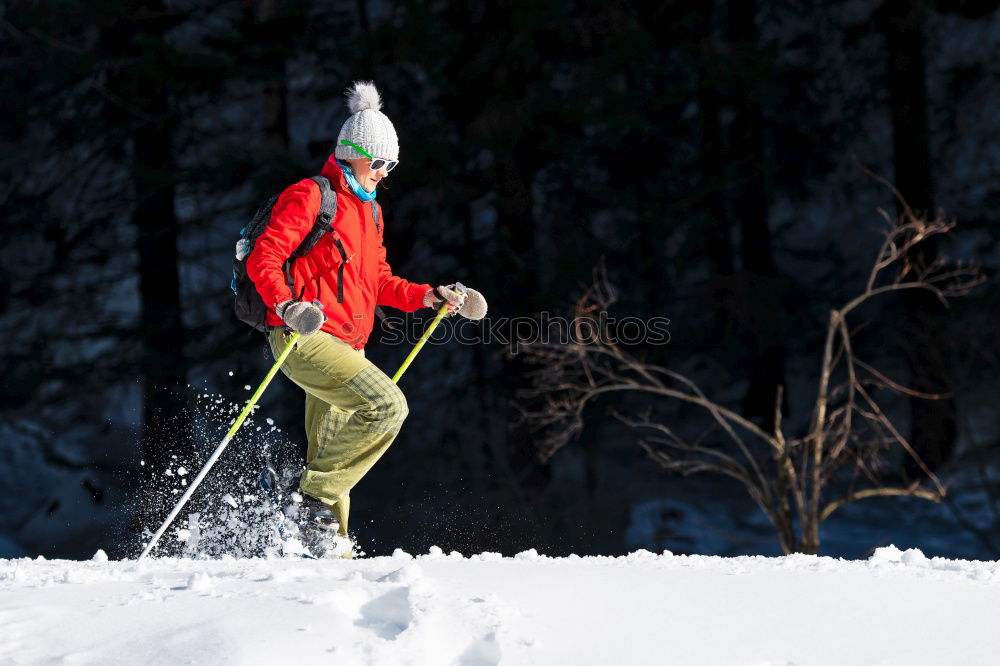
[377, 163]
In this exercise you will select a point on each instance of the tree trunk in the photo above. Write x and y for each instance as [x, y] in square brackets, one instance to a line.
[166, 423]
[275, 104]
[809, 544]
[363, 15]
[750, 206]
[140, 84]
[717, 225]
[933, 425]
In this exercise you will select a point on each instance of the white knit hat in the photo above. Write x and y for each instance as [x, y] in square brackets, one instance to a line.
[367, 127]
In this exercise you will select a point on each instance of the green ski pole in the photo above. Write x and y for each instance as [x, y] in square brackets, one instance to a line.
[459, 288]
[225, 442]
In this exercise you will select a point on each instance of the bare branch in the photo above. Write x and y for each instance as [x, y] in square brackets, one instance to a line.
[880, 416]
[910, 491]
[899, 387]
[731, 465]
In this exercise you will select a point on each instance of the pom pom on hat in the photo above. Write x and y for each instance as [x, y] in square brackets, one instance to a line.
[363, 95]
[367, 127]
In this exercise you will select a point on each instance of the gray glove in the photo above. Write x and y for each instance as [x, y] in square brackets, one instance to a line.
[303, 318]
[438, 296]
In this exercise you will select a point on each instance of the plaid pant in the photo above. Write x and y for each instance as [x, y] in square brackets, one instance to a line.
[353, 412]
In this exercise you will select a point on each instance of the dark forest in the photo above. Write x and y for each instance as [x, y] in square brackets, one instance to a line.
[739, 255]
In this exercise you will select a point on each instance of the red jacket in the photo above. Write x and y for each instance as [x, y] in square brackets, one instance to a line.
[368, 278]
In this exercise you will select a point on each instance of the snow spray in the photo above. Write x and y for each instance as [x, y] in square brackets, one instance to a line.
[222, 445]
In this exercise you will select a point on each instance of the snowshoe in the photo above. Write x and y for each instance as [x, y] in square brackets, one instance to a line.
[312, 530]
[305, 526]
[318, 528]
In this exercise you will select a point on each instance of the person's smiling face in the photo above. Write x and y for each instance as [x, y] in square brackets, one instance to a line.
[366, 176]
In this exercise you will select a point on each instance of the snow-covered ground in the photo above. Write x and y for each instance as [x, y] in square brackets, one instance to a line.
[894, 608]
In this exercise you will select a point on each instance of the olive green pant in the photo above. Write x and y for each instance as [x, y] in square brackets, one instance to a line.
[353, 412]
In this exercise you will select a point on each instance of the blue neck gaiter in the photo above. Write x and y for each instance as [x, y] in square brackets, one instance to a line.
[353, 183]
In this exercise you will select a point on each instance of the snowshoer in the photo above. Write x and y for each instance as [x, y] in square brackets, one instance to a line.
[353, 411]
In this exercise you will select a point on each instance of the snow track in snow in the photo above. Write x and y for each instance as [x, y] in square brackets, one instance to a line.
[895, 608]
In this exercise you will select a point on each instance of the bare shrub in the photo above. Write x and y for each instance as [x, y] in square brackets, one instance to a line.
[798, 482]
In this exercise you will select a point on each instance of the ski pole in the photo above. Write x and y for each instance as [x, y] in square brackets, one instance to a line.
[459, 288]
[225, 442]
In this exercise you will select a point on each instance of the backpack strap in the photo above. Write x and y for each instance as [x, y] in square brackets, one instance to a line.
[324, 218]
[324, 224]
[328, 212]
[328, 204]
